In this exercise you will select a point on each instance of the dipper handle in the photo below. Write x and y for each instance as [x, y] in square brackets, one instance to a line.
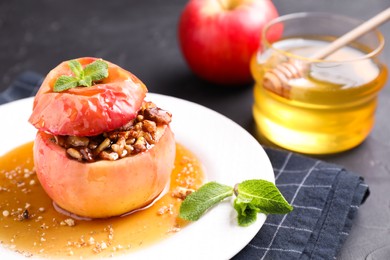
[353, 34]
[277, 79]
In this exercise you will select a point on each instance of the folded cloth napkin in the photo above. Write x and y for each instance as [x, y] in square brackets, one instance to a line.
[25, 85]
[325, 197]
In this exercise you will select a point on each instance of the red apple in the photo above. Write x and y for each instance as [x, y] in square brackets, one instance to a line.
[90, 111]
[219, 37]
[104, 188]
[101, 188]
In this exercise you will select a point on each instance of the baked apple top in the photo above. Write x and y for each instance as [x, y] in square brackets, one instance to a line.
[109, 103]
[99, 141]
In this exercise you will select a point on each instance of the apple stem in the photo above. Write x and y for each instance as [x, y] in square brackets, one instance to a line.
[223, 4]
[229, 4]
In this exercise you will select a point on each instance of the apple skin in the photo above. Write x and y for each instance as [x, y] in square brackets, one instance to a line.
[218, 41]
[89, 111]
[104, 188]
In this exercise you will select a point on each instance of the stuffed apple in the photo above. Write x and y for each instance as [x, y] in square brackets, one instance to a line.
[101, 149]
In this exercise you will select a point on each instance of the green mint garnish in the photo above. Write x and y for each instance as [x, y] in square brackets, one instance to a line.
[76, 68]
[247, 212]
[252, 197]
[93, 72]
[264, 195]
[64, 83]
[255, 196]
[204, 198]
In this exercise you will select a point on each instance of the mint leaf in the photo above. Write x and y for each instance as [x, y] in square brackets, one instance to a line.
[96, 70]
[76, 68]
[86, 81]
[264, 195]
[198, 202]
[64, 83]
[247, 213]
[252, 197]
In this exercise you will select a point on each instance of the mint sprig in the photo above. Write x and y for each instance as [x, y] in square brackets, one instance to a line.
[85, 77]
[252, 197]
[197, 203]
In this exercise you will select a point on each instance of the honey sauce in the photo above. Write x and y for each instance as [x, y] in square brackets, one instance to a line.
[30, 224]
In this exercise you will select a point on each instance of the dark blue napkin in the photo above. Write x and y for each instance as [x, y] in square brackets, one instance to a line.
[26, 85]
[325, 197]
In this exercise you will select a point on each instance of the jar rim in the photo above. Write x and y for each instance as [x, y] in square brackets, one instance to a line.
[292, 16]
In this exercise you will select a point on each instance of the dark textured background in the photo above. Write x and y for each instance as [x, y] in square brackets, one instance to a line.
[141, 37]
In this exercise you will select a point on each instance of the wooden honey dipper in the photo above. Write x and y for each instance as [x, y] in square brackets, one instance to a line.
[276, 80]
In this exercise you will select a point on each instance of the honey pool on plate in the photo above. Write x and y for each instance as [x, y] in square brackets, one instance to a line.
[329, 109]
[29, 223]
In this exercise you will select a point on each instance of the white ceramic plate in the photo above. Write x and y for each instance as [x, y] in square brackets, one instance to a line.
[228, 153]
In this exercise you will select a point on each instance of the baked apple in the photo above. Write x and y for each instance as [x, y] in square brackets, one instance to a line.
[101, 150]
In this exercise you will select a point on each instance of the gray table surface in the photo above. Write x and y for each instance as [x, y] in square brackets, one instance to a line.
[141, 37]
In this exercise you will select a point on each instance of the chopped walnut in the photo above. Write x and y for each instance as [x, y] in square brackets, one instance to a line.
[157, 115]
[138, 135]
[68, 222]
[181, 192]
[165, 209]
[76, 141]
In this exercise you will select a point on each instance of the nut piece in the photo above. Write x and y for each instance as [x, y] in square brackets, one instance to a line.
[74, 154]
[87, 154]
[109, 156]
[5, 213]
[103, 145]
[136, 136]
[77, 141]
[157, 115]
[181, 192]
[68, 222]
[140, 144]
[150, 127]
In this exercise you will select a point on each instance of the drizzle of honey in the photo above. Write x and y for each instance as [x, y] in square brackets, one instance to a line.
[48, 233]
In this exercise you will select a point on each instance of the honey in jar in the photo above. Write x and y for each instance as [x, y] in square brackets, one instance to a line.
[329, 108]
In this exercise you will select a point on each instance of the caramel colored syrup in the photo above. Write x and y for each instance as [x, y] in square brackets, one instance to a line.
[329, 109]
[30, 225]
